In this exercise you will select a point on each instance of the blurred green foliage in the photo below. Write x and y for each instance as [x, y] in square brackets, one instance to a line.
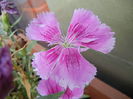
[25, 80]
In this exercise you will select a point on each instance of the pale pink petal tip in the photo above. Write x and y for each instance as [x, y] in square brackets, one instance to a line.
[44, 28]
[108, 46]
[47, 87]
[87, 30]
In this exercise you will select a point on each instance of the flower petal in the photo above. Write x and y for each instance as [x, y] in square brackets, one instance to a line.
[44, 62]
[72, 70]
[72, 94]
[105, 41]
[47, 87]
[44, 28]
[86, 30]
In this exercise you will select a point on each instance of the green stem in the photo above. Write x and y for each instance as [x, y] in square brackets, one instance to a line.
[5, 22]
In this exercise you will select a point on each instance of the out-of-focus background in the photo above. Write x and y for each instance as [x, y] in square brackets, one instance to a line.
[115, 68]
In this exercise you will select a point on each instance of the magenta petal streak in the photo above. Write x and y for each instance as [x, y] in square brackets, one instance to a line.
[47, 87]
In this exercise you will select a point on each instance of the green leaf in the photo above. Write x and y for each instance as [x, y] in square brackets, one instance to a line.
[2, 32]
[5, 21]
[53, 96]
[12, 33]
[85, 97]
[17, 21]
[24, 80]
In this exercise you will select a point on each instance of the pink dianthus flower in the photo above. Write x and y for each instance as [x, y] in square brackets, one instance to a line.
[63, 63]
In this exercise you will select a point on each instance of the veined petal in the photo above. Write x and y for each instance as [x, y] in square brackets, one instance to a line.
[72, 94]
[105, 41]
[44, 28]
[47, 87]
[44, 62]
[86, 30]
[72, 70]
[82, 22]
